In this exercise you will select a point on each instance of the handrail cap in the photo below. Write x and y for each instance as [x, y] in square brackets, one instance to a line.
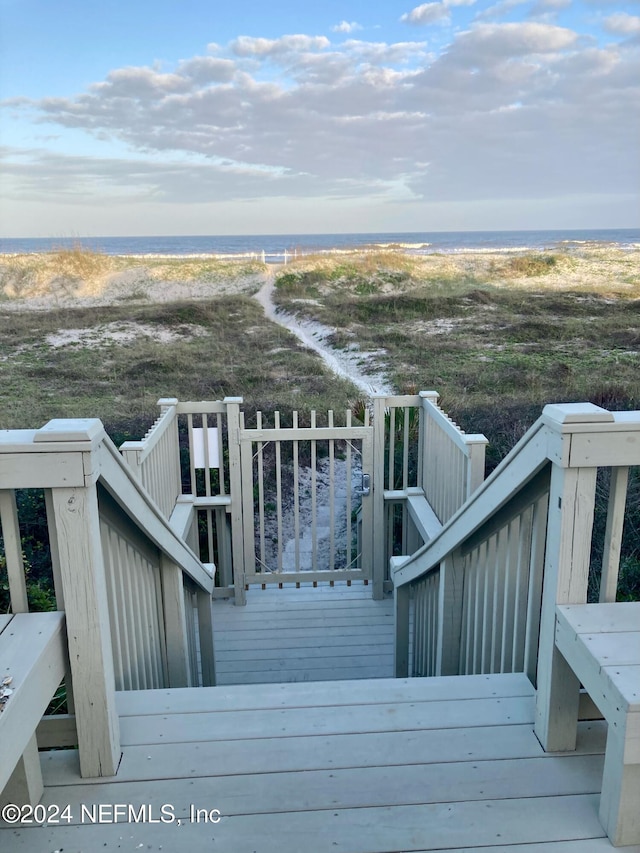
[576, 413]
[71, 429]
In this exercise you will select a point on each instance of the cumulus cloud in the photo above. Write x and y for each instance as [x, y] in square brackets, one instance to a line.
[433, 13]
[622, 24]
[346, 27]
[507, 110]
[247, 46]
[427, 13]
[498, 10]
[542, 6]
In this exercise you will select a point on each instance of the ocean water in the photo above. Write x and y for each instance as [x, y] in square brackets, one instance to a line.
[274, 247]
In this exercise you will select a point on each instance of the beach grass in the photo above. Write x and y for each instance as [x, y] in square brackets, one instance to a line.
[497, 335]
[115, 362]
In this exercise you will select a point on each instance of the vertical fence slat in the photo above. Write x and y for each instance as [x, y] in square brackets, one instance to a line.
[13, 551]
[296, 496]
[278, 490]
[314, 498]
[613, 534]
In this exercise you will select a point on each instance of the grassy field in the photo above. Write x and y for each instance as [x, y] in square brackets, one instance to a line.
[498, 336]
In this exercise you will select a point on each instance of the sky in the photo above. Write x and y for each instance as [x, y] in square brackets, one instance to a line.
[160, 117]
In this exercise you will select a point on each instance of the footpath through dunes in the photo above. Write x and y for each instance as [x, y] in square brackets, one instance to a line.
[351, 364]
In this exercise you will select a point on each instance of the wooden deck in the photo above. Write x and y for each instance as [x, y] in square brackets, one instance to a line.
[361, 766]
[304, 634]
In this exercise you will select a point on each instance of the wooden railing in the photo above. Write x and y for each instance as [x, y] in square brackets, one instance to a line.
[481, 595]
[191, 469]
[155, 459]
[426, 467]
[120, 574]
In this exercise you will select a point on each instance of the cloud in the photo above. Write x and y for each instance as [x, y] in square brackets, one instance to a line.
[346, 27]
[247, 46]
[542, 6]
[622, 24]
[427, 13]
[433, 13]
[506, 110]
[497, 10]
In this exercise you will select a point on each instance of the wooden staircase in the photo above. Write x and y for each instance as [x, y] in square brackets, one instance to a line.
[374, 765]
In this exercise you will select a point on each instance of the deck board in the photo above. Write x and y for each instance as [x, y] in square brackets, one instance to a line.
[455, 766]
[304, 635]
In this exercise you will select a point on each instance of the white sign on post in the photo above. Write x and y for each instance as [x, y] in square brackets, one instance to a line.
[199, 460]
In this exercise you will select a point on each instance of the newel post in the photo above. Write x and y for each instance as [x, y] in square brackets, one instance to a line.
[566, 570]
[235, 486]
[75, 517]
[379, 510]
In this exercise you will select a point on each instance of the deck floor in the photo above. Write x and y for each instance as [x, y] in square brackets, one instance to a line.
[377, 766]
[304, 634]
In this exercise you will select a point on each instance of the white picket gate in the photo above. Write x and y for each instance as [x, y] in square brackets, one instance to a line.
[307, 506]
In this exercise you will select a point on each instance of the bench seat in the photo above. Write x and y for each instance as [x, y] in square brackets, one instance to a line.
[32, 655]
[601, 644]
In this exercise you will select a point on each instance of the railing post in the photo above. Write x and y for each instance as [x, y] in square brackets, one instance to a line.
[450, 600]
[427, 397]
[379, 527]
[205, 632]
[235, 481]
[76, 519]
[401, 601]
[566, 574]
[175, 472]
[175, 623]
[475, 463]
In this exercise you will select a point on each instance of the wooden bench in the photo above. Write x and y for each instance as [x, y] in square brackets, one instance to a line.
[601, 644]
[32, 655]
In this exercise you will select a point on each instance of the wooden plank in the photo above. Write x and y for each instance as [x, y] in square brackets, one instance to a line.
[77, 521]
[174, 624]
[235, 488]
[602, 449]
[12, 543]
[400, 828]
[304, 674]
[301, 637]
[566, 571]
[304, 433]
[597, 618]
[619, 649]
[362, 787]
[283, 603]
[57, 730]
[241, 661]
[310, 653]
[32, 653]
[330, 720]
[423, 517]
[251, 618]
[613, 534]
[379, 691]
[40, 470]
[25, 785]
[380, 749]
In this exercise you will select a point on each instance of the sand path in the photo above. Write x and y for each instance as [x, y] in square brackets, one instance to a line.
[351, 364]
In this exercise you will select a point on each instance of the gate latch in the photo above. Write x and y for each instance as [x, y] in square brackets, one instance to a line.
[366, 485]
